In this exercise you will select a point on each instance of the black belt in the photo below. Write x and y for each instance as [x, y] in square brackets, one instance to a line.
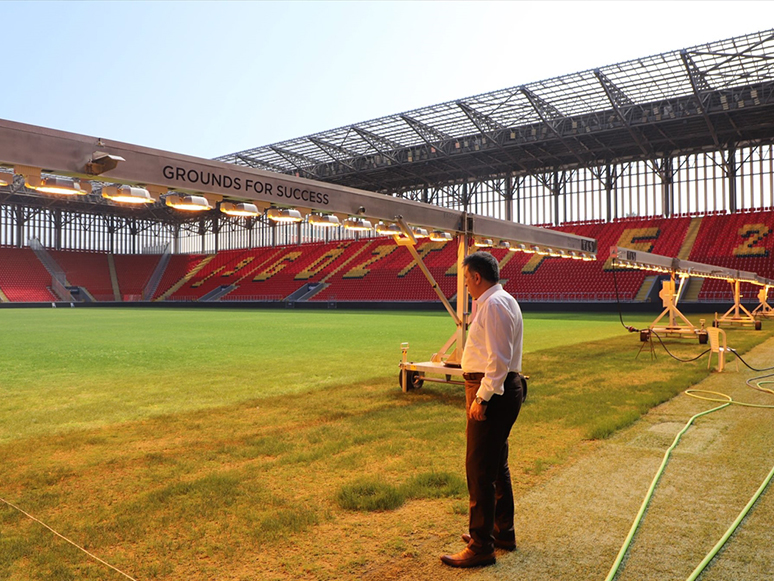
[479, 376]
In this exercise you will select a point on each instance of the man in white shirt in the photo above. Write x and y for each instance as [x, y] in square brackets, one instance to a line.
[491, 363]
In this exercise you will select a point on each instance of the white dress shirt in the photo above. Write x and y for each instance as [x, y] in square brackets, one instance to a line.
[494, 342]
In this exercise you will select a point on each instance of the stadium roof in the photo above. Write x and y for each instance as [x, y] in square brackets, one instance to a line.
[706, 97]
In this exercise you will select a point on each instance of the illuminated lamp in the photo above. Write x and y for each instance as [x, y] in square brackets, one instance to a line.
[483, 243]
[283, 215]
[419, 232]
[543, 251]
[357, 224]
[6, 179]
[575, 256]
[187, 203]
[440, 236]
[323, 220]
[588, 257]
[388, 229]
[240, 210]
[504, 244]
[528, 249]
[556, 253]
[58, 185]
[127, 195]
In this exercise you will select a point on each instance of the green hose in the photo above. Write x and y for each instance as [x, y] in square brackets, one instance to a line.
[727, 401]
[651, 490]
[731, 529]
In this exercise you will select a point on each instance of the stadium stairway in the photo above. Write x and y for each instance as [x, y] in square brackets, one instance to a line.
[114, 278]
[690, 238]
[646, 289]
[186, 277]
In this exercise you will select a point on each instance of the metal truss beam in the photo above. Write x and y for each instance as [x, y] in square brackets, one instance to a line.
[430, 135]
[550, 115]
[260, 164]
[298, 160]
[619, 99]
[336, 152]
[382, 145]
[699, 85]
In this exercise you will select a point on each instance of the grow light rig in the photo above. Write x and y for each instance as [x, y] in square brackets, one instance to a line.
[684, 269]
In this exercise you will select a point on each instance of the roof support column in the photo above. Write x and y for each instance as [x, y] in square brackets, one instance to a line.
[667, 186]
[509, 198]
[19, 215]
[731, 174]
[558, 193]
[216, 231]
[202, 231]
[133, 231]
[111, 228]
[56, 217]
[611, 198]
[176, 239]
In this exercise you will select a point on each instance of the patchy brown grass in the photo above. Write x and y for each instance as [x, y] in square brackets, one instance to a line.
[249, 491]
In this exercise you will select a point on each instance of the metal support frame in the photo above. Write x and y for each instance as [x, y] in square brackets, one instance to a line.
[763, 309]
[737, 315]
[678, 326]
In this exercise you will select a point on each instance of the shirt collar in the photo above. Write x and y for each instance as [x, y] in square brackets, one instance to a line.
[488, 293]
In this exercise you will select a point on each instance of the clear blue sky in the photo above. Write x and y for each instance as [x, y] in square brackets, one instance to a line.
[210, 78]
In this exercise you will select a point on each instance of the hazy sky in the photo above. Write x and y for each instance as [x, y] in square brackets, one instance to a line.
[210, 78]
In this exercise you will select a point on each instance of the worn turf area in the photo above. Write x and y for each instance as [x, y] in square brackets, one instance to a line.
[260, 479]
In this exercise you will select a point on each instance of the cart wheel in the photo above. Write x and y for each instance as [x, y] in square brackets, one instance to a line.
[757, 325]
[703, 338]
[413, 380]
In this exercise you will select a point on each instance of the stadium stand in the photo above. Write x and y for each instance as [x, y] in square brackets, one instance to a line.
[23, 278]
[741, 241]
[376, 269]
[88, 270]
[133, 272]
[181, 268]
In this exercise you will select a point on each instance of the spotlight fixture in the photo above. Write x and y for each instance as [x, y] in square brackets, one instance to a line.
[283, 215]
[419, 232]
[588, 257]
[323, 220]
[240, 210]
[543, 251]
[187, 203]
[127, 195]
[388, 229]
[357, 224]
[483, 243]
[440, 236]
[58, 185]
[504, 244]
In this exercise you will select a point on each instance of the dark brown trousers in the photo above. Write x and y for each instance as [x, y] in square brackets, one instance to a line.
[486, 464]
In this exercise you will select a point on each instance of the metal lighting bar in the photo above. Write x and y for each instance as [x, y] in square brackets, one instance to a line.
[736, 315]
[74, 155]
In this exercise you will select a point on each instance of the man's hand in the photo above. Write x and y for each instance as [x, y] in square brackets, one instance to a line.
[477, 412]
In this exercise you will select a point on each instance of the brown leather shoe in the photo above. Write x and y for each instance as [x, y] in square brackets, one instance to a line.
[467, 558]
[504, 545]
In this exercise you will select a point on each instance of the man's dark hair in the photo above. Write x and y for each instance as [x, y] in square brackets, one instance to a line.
[484, 264]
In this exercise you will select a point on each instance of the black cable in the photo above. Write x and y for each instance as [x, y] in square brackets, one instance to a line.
[618, 304]
[750, 366]
[702, 354]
